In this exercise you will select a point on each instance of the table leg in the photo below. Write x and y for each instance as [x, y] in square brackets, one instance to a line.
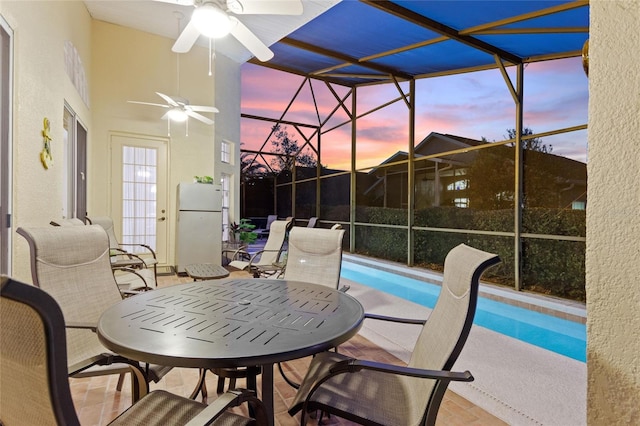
[201, 386]
[267, 391]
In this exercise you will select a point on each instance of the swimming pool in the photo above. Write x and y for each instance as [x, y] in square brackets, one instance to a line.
[562, 336]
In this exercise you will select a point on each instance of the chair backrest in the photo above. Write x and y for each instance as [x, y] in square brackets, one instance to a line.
[33, 364]
[71, 263]
[270, 219]
[446, 331]
[107, 224]
[314, 255]
[312, 222]
[275, 242]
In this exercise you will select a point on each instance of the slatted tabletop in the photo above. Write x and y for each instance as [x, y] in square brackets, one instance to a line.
[206, 271]
[231, 323]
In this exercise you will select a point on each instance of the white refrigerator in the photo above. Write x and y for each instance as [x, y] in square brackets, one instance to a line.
[199, 224]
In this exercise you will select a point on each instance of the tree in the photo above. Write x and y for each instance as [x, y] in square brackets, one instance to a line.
[534, 144]
[491, 179]
[491, 176]
[289, 151]
[249, 167]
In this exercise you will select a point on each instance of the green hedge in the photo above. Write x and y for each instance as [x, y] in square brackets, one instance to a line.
[549, 266]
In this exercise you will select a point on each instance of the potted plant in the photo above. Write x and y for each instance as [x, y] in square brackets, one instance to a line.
[243, 231]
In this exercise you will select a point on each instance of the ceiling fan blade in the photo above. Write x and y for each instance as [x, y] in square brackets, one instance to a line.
[265, 7]
[178, 2]
[250, 41]
[197, 116]
[148, 103]
[186, 39]
[202, 108]
[168, 99]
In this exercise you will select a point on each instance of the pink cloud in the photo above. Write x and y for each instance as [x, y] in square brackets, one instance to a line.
[470, 105]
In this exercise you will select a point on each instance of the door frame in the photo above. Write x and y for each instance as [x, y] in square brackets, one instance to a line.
[76, 166]
[114, 179]
[6, 146]
[80, 172]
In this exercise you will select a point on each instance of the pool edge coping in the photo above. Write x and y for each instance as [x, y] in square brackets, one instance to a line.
[560, 308]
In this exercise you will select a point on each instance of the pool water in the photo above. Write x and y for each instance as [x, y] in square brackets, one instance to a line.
[562, 336]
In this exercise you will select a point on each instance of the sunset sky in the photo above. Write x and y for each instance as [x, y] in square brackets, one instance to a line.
[472, 105]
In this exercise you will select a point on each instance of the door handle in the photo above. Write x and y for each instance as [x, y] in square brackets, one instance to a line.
[162, 219]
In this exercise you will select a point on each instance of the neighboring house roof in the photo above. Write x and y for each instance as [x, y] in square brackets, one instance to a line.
[566, 169]
[434, 143]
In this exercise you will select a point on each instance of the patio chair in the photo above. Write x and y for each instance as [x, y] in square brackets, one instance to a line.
[122, 258]
[71, 263]
[314, 255]
[265, 232]
[264, 262]
[130, 280]
[369, 392]
[33, 366]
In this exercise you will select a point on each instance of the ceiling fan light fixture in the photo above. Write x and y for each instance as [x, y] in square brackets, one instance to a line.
[235, 6]
[211, 21]
[177, 114]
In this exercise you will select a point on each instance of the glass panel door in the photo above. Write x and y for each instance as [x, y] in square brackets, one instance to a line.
[139, 191]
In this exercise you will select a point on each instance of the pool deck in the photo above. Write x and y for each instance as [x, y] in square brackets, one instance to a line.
[517, 382]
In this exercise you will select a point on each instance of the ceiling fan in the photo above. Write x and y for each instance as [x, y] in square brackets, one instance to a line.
[216, 18]
[180, 109]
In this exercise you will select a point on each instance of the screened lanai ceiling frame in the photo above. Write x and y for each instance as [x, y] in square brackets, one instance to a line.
[366, 42]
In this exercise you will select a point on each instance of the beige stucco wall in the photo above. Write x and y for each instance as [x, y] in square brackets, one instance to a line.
[133, 65]
[613, 218]
[120, 64]
[41, 86]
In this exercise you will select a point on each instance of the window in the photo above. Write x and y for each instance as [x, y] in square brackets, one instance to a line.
[139, 171]
[461, 202]
[225, 181]
[225, 152]
[458, 185]
[579, 205]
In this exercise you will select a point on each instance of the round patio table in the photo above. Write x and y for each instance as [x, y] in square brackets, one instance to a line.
[225, 323]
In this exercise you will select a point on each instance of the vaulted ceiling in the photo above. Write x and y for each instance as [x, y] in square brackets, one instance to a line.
[367, 42]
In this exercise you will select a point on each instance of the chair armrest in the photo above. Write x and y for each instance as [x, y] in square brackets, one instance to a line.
[260, 252]
[253, 257]
[395, 319]
[136, 272]
[237, 252]
[129, 258]
[139, 245]
[231, 398]
[355, 365]
[81, 325]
